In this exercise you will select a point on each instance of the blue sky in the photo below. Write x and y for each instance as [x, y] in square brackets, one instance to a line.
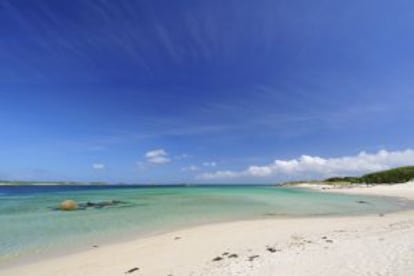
[204, 91]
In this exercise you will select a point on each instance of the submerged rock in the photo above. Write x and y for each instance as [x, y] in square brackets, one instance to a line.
[101, 204]
[68, 205]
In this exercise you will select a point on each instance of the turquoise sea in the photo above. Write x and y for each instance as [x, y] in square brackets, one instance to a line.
[30, 225]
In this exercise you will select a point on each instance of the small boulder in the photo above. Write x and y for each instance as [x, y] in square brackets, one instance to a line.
[68, 205]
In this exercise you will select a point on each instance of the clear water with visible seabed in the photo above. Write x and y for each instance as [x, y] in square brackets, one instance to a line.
[30, 225]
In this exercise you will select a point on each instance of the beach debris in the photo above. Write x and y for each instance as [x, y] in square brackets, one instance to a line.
[251, 258]
[132, 270]
[296, 238]
[271, 249]
[233, 255]
[270, 214]
[324, 237]
[362, 202]
[95, 246]
[381, 214]
[177, 238]
[68, 205]
[218, 258]
[225, 253]
[330, 241]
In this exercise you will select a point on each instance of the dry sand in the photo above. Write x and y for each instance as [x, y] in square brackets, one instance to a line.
[360, 245]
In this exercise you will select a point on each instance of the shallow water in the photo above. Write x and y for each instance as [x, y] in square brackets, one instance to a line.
[29, 225]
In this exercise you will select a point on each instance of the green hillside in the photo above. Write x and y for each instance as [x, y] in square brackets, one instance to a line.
[397, 175]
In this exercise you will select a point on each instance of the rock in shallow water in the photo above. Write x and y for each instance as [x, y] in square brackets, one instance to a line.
[68, 205]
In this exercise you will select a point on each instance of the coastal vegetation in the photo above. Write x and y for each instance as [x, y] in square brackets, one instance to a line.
[391, 176]
[396, 175]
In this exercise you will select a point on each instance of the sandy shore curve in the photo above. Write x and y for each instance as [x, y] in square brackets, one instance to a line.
[373, 244]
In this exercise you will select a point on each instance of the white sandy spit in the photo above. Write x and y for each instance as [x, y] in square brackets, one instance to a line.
[361, 245]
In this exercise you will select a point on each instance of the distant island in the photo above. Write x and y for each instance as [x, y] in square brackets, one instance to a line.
[45, 183]
[391, 176]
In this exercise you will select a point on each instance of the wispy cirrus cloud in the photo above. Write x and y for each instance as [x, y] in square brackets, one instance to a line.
[210, 164]
[191, 168]
[182, 156]
[315, 166]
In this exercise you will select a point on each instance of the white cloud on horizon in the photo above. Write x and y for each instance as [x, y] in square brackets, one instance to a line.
[157, 156]
[98, 166]
[315, 166]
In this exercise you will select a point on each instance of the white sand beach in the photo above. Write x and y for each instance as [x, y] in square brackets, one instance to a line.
[375, 244]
